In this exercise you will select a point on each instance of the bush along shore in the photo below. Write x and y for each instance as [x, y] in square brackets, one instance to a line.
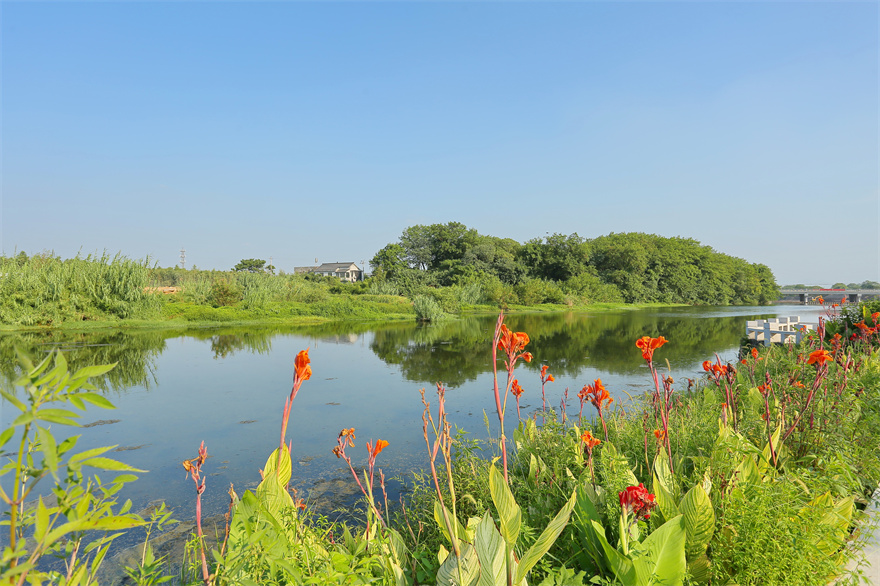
[755, 474]
[478, 273]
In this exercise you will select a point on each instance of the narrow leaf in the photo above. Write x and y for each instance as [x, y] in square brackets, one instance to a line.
[545, 541]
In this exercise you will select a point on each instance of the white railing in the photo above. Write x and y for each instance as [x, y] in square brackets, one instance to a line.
[780, 330]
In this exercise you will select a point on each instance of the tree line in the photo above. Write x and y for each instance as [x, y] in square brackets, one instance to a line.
[631, 267]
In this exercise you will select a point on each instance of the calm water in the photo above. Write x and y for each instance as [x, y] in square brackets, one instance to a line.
[227, 387]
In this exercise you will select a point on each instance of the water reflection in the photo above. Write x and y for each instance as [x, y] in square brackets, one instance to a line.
[454, 351]
[226, 385]
[135, 353]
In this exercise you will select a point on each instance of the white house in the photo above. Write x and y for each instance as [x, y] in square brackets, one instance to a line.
[344, 271]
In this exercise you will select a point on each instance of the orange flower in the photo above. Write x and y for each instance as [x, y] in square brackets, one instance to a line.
[820, 300]
[590, 441]
[754, 352]
[516, 389]
[743, 361]
[798, 384]
[648, 344]
[707, 366]
[660, 434]
[380, 445]
[302, 369]
[819, 356]
[348, 433]
[513, 342]
[875, 316]
[597, 394]
[527, 356]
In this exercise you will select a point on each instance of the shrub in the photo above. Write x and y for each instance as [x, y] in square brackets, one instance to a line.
[427, 309]
[225, 292]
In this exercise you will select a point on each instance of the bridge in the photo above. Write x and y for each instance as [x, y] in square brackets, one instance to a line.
[807, 296]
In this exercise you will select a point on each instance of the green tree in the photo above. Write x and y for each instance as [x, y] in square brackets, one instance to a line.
[389, 262]
[250, 265]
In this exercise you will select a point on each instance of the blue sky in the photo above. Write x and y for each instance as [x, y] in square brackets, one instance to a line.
[298, 130]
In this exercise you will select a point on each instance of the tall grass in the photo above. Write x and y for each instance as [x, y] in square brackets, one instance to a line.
[46, 290]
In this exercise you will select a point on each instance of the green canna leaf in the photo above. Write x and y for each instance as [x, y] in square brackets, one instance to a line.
[699, 521]
[505, 504]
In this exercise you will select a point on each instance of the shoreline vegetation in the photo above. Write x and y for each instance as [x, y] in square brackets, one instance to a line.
[431, 272]
[755, 474]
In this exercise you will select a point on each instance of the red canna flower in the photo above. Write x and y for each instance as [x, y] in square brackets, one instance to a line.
[637, 500]
[820, 357]
[754, 352]
[660, 434]
[707, 366]
[820, 300]
[648, 344]
[875, 316]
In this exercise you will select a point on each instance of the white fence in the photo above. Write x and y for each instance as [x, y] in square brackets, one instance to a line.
[781, 330]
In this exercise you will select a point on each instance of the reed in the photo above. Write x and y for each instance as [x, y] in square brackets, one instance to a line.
[46, 290]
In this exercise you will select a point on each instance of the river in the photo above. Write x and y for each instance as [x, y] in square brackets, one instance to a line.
[227, 386]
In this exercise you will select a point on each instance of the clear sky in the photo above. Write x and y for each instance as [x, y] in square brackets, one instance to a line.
[298, 130]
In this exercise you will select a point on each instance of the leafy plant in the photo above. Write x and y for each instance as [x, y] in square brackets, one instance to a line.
[85, 519]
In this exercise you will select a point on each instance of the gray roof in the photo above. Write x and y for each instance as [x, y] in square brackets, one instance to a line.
[332, 267]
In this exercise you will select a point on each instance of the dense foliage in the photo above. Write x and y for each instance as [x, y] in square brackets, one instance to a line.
[754, 475]
[630, 267]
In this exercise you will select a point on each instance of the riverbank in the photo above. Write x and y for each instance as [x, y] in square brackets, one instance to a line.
[816, 420]
[175, 314]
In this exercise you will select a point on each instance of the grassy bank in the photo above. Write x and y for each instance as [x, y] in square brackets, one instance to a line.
[753, 475]
[93, 292]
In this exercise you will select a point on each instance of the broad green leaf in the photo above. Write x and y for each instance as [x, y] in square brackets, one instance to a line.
[274, 497]
[700, 569]
[508, 510]
[6, 436]
[467, 565]
[699, 521]
[747, 472]
[59, 416]
[664, 488]
[14, 400]
[97, 400]
[23, 419]
[545, 541]
[584, 513]
[42, 520]
[89, 454]
[490, 552]
[660, 560]
[115, 523]
[284, 471]
[92, 371]
[49, 449]
[460, 531]
[620, 565]
[109, 464]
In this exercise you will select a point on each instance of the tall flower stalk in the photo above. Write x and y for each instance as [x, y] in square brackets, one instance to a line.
[301, 373]
[512, 344]
[661, 397]
[194, 468]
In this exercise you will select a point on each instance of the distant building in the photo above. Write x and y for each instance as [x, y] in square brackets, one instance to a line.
[344, 271]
